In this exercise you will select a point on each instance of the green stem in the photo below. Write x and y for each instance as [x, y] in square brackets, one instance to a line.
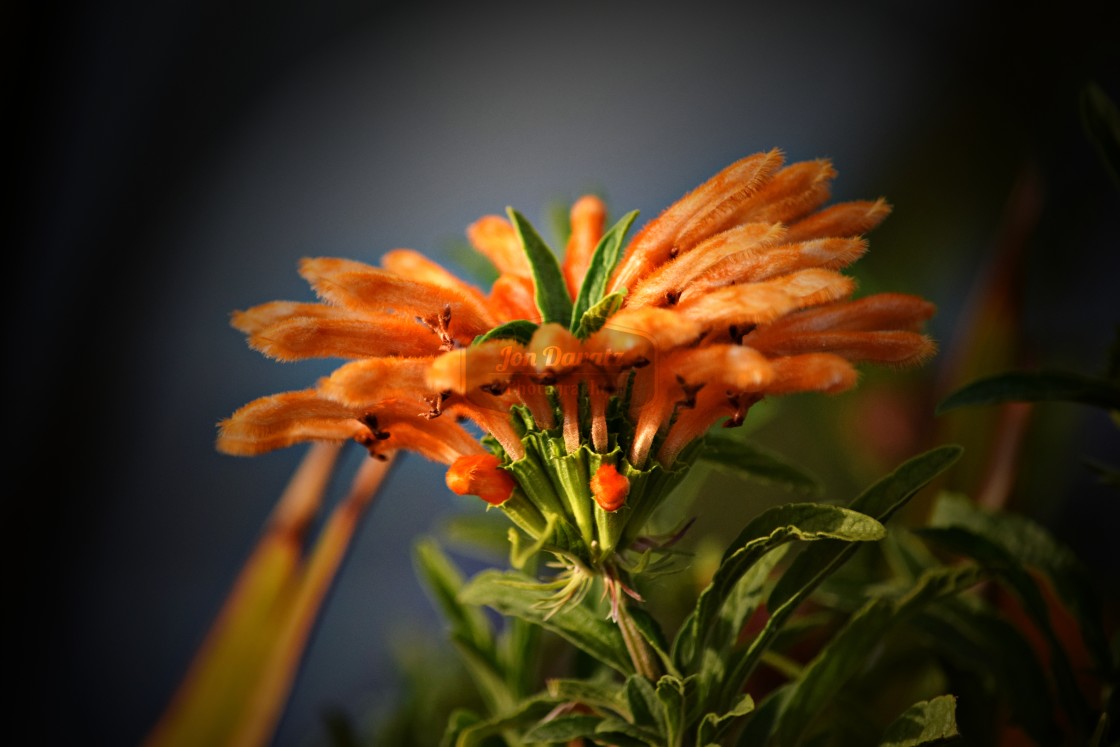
[644, 659]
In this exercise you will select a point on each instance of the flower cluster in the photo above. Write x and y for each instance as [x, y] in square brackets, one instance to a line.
[595, 377]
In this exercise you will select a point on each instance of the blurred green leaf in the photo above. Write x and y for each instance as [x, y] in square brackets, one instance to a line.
[993, 556]
[753, 462]
[519, 595]
[519, 330]
[1040, 386]
[1030, 544]
[772, 528]
[564, 729]
[1101, 119]
[603, 261]
[927, 722]
[594, 318]
[847, 652]
[980, 641]
[879, 501]
[673, 694]
[524, 717]
[600, 693]
[712, 722]
[552, 293]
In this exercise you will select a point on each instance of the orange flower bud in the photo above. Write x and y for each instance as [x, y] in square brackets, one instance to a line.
[609, 488]
[481, 475]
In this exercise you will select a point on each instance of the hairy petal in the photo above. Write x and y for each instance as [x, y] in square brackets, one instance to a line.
[696, 216]
[794, 192]
[665, 284]
[316, 337]
[811, 372]
[284, 419]
[358, 286]
[843, 219]
[748, 267]
[891, 347]
[514, 297]
[366, 383]
[588, 216]
[415, 266]
[495, 238]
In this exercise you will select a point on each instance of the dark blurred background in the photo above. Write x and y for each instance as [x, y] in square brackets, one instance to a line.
[174, 160]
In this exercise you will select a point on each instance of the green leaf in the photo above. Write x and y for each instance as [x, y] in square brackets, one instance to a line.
[818, 561]
[552, 293]
[563, 729]
[846, 653]
[672, 692]
[927, 722]
[772, 528]
[519, 595]
[444, 582]
[880, 501]
[600, 693]
[1101, 119]
[599, 269]
[1036, 386]
[519, 330]
[1030, 544]
[713, 722]
[525, 716]
[594, 318]
[980, 641]
[749, 460]
[993, 556]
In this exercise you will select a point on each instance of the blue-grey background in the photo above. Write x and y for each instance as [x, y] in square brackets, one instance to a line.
[182, 156]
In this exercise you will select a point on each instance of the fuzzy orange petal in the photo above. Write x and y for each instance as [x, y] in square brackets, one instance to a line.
[843, 219]
[367, 289]
[698, 215]
[514, 297]
[890, 347]
[495, 238]
[415, 266]
[366, 383]
[812, 372]
[755, 266]
[794, 192]
[882, 311]
[665, 284]
[588, 216]
[311, 337]
[284, 419]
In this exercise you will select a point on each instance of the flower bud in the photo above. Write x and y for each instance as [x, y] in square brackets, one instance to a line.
[481, 475]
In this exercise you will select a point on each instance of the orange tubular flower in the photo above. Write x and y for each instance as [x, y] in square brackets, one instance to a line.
[596, 376]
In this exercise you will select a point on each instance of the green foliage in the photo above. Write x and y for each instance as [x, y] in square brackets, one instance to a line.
[1042, 386]
[603, 261]
[755, 463]
[927, 722]
[519, 330]
[551, 292]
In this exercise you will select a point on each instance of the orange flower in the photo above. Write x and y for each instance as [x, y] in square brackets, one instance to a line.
[481, 475]
[627, 353]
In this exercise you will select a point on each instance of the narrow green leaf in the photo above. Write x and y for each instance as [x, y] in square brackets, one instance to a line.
[519, 595]
[818, 561]
[552, 296]
[880, 501]
[993, 556]
[712, 722]
[524, 717]
[599, 693]
[927, 722]
[594, 318]
[459, 721]
[772, 528]
[980, 641]
[1101, 119]
[1030, 544]
[519, 330]
[444, 582]
[642, 697]
[563, 729]
[753, 462]
[1035, 386]
[599, 269]
[652, 634]
[847, 652]
[671, 693]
